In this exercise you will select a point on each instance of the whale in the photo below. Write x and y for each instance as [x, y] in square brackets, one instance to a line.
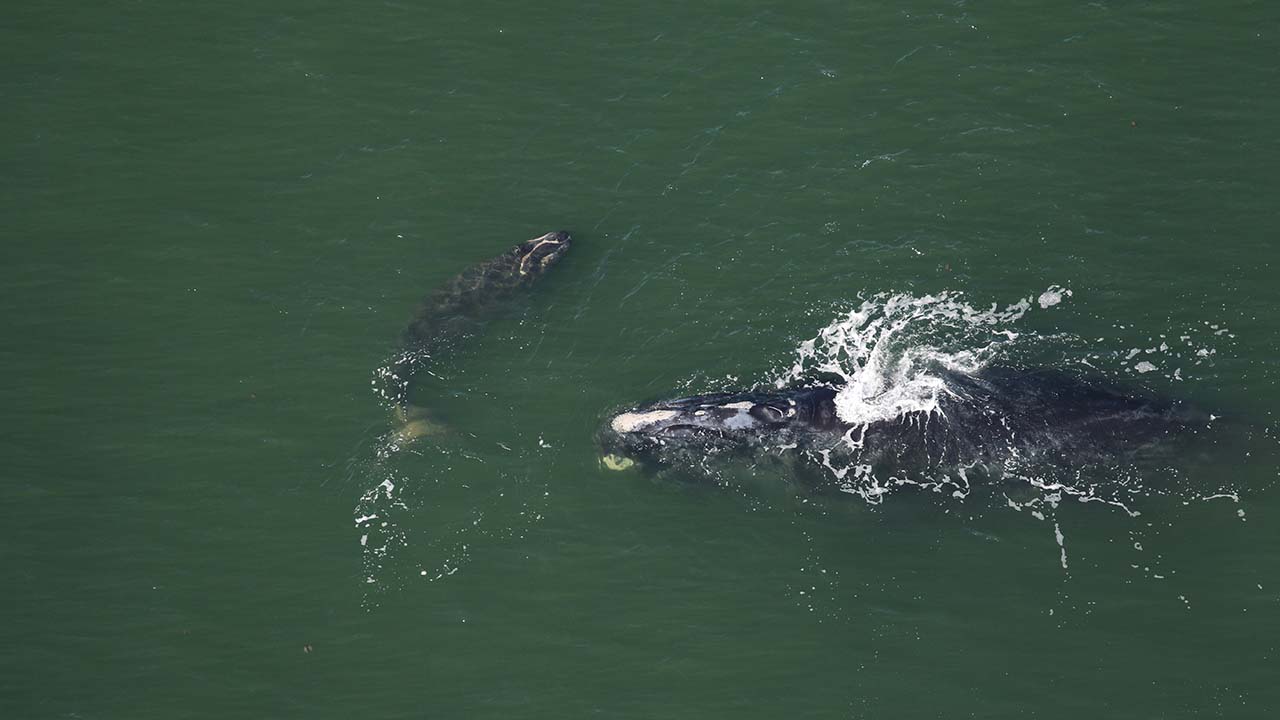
[983, 420]
[452, 313]
[477, 291]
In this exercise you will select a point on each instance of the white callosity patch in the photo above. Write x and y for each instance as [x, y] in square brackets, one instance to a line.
[636, 421]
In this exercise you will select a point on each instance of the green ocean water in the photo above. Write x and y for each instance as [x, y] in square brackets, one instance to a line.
[218, 218]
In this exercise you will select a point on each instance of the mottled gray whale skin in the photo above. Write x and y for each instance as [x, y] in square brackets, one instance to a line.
[454, 312]
[983, 419]
[472, 293]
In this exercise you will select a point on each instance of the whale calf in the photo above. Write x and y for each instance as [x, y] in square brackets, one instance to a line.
[454, 312]
[470, 294]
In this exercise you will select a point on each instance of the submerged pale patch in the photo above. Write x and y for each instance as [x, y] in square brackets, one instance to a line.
[617, 462]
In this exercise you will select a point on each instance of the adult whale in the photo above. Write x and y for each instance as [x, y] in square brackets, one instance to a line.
[982, 420]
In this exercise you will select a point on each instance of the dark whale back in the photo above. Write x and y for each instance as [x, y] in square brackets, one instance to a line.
[454, 311]
[1000, 413]
[456, 306]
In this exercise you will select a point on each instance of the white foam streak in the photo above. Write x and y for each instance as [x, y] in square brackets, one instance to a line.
[890, 349]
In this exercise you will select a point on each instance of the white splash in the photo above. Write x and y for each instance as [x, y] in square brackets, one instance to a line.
[890, 357]
[1053, 296]
[890, 349]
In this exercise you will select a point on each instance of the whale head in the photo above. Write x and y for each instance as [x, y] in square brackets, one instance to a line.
[534, 257]
[652, 434]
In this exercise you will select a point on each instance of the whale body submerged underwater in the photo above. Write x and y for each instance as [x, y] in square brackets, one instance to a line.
[454, 312]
